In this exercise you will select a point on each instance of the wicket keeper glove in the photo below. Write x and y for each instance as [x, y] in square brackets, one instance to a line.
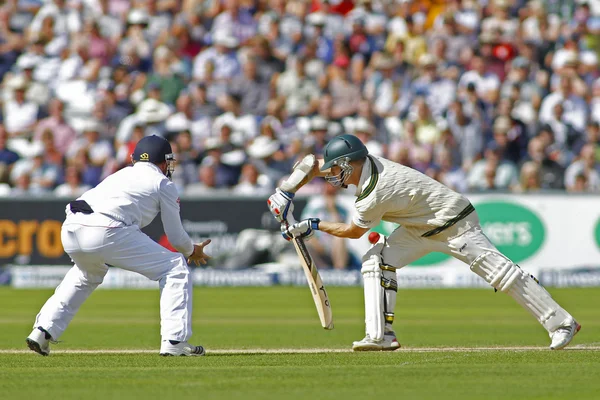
[280, 204]
[304, 229]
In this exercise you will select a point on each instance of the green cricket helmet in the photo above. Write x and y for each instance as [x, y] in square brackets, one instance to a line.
[340, 151]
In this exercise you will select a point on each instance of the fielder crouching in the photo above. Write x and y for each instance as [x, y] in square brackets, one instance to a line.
[432, 218]
[102, 228]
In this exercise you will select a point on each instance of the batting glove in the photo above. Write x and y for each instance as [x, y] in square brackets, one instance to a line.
[304, 229]
[280, 204]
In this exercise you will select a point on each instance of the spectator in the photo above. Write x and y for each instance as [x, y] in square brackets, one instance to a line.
[62, 132]
[492, 172]
[7, 157]
[252, 183]
[207, 183]
[586, 166]
[328, 252]
[269, 159]
[20, 115]
[253, 90]
[72, 187]
[530, 178]
[551, 172]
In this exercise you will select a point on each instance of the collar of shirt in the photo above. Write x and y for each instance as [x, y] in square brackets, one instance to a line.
[365, 176]
[145, 164]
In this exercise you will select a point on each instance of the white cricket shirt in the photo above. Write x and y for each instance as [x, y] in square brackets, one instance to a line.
[392, 192]
[134, 196]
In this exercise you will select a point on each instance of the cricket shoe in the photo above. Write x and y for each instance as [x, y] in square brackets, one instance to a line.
[388, 343]
[39, 341]
[564, 334]
[168, 348]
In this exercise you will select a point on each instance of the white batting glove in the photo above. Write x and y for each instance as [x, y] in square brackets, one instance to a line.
[280, 204]
[304, 229]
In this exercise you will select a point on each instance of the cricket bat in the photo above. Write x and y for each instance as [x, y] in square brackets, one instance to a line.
[315, 283]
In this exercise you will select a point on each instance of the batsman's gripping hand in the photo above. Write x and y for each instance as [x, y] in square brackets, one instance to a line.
[304, 229]
[280, 204]
[198, 256]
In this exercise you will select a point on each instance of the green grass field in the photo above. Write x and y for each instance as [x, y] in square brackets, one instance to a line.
[266, 343]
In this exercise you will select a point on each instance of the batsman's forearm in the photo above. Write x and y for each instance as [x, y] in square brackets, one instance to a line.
[338, 229]
[304, 171]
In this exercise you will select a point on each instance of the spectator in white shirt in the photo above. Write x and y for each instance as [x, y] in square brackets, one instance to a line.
[223, 57]
[20, 115]
[575, 107]
[252, 183]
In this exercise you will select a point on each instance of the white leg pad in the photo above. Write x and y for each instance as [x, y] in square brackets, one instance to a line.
[504, 275]
[380, 288]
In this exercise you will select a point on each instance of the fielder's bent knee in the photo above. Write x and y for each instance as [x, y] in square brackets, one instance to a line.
[499, 271]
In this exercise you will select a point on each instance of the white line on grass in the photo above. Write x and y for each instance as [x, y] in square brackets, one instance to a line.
[309, 351]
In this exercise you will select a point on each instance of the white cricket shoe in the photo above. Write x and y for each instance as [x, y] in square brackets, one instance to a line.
[564, 334]
[180, 349]
[388, 343]
[37, 341]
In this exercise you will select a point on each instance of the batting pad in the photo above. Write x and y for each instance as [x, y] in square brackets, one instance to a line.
[505, 276]
[380, 288]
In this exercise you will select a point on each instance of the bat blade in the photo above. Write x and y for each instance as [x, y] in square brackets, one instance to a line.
[315, 283]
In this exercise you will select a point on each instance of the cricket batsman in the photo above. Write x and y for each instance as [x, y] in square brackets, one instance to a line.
[432, 218]
[102, 228]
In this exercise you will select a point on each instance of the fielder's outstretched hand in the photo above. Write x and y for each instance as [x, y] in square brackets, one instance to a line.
[280, 204]
[304, 229]
[198, 257]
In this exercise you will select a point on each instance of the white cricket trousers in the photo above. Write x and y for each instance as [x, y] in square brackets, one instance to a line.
[93, 241]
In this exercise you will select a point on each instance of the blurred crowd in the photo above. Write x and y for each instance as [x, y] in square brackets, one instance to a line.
[479, 94]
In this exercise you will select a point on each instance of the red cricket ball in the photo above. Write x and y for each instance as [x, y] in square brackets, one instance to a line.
[374, 237]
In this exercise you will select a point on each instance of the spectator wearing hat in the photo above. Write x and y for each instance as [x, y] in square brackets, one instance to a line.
[151, 113]
[575, 107]
[324, 44]
[135, 47]
[37, 92]
[20, 115]
[99, 150]
[413, 41]
[486, 83]
[67, 21]
[222, 56]
[63, 133]
[317, 140]
[365, 131]
[268, 157]
[381, 87]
